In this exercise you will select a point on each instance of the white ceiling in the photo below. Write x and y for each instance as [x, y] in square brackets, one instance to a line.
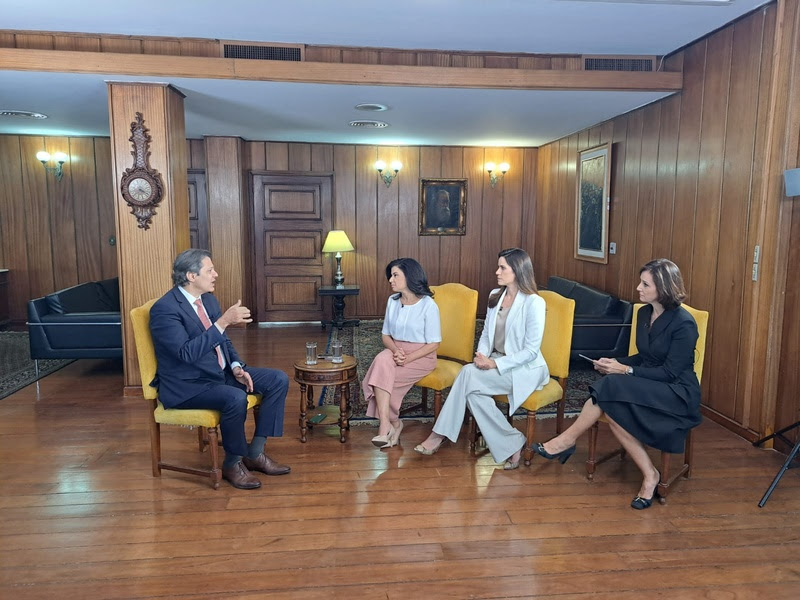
[77, 105]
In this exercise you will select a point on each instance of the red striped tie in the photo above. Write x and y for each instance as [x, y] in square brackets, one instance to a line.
[201, 312]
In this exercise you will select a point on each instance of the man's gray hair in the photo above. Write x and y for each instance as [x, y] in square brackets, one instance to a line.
[188, 261]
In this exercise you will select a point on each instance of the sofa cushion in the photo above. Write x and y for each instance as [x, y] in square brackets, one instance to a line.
[589, 301]
[86, 297]
[109, 293]
[561, 286]
[77, 331]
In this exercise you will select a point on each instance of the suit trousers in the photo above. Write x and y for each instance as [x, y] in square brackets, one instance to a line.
[230, 399]
[474, 388]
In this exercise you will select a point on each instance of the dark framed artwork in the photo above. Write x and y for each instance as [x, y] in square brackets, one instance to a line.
[443, 207]
[593, 199]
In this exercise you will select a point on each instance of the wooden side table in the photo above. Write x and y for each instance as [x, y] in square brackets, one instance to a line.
[324, 373]
[338, 294]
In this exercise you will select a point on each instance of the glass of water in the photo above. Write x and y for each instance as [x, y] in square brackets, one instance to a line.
[311, 353]
[336, 351]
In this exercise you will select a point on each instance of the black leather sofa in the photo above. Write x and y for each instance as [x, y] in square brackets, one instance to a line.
[82, 321]
[602, 325]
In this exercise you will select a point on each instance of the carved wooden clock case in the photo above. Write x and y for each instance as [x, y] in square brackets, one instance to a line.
[141, 186]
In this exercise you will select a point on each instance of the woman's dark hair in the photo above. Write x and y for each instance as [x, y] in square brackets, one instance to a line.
[188, 261]
[669, 283]
[520, 263]
[416, 279]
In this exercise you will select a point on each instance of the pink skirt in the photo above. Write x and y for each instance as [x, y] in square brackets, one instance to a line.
[386, 375]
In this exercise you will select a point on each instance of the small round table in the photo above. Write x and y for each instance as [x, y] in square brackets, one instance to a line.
[324, 373]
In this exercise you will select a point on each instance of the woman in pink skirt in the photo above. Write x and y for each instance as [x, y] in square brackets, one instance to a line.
[411, 334]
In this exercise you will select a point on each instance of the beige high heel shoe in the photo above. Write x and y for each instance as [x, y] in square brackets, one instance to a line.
[423, 450]
[394, 436]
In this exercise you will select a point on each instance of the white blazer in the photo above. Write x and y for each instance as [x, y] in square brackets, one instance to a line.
[524, 331]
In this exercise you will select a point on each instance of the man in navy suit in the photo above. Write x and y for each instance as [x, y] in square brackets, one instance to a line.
[199, 368]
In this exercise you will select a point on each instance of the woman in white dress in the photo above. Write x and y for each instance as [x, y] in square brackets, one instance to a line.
[508, 361]
[411, 334]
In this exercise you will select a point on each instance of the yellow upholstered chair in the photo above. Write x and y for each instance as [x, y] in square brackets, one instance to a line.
[458, 309]
[207, 421]
[667, 478]
[556, 346]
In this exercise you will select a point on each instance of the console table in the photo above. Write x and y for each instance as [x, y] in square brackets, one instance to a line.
[338, 294]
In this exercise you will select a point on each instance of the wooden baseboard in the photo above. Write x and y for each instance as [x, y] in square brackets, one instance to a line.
[730, 424]
[132, 391]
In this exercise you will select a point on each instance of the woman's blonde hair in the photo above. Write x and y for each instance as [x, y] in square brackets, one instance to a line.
[522, 266]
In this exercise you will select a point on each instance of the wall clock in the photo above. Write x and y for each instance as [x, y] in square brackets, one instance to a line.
[141, 185]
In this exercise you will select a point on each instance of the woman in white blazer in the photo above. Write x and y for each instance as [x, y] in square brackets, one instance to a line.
[508, 361]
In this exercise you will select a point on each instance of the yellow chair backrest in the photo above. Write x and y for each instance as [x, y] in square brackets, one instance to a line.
[145, 351]
[458, 309]
[557, 338]
[700, 317]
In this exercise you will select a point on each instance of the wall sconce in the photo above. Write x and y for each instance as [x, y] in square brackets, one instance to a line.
[337, 241]
[494, 177]
[59, 157]
[388, 177]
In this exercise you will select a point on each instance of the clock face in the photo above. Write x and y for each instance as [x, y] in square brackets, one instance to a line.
[140, 189]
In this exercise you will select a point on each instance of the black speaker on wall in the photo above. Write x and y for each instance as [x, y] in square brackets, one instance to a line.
[791, 178]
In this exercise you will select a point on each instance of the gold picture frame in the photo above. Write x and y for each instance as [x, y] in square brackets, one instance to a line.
[592, 204]
[443, 207]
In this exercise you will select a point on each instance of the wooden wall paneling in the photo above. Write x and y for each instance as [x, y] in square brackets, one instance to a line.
[34, 41]
[121, 45]
[388, 223]
[37, 221]
[529, 202]
[450, 245]
[13, 227]
[595, 273]
[500, 62]
[105, 207]
[321, 158]
[491, 222]
[580, 141]
[344, 212]
[665, 177]
[87, 216]
[471, 242]
[62, 218]
[511, 187]
[433, 59]
[688, 167]
[536, 63]
[735, 258]
[430, 167]
[648, 168]
[255, 153]
[227, 202]
[408, 208]
[75, 43]
[299, 157]
[277, 156]
[564, 235]
[197, 154]
[616, 220]
[208, 48]
[472, 61]
[372, 298]
[628, 268]
[7, 40]
[170, 47]
[545, 191]
[354, 55]
[397, 57]
[326, 54]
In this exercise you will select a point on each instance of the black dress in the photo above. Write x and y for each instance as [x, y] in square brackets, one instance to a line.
[660, 402]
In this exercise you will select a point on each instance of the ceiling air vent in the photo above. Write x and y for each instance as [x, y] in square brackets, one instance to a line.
[619, 63]
[265, 51]
[367, 124]
[21, 114]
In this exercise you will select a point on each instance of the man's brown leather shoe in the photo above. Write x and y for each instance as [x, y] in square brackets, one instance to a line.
[239, 477]
[266, 465]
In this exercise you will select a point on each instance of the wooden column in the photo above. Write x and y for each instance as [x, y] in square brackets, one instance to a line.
[145, 255]
[229, 219]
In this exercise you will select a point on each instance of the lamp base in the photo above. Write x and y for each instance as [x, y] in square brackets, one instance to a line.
[338, 277]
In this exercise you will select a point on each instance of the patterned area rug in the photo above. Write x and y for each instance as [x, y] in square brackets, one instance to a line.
[364, 342]
[16, 366]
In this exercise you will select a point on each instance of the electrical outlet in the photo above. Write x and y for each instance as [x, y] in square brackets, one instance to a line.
[612, 248]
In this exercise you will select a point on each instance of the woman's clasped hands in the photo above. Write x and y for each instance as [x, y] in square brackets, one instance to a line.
[399, 357]
[483, 362]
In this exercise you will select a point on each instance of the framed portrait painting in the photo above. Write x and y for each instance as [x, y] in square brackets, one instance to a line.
[593, 200]
[443, 207]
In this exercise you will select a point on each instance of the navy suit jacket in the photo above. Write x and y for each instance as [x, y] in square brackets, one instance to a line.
[185, 350]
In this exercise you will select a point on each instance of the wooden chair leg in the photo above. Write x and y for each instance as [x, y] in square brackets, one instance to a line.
[688, 454]
[423, 404]
[437, 403]
[591, 461]
[216, 472]
[560, 414]
[155, 446]
[472, 434]
[530, 428]
[664, 483]
[202, 439]
[256, 412]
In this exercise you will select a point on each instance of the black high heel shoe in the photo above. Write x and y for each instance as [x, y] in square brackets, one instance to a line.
[562, 456]
[640, 503]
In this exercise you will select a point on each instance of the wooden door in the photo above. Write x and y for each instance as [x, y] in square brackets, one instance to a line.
[292, 214]
[198, 209]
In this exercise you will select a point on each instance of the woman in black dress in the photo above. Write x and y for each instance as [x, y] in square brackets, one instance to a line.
[651, 398]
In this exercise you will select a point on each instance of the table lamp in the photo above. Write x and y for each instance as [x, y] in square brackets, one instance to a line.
[338, 242]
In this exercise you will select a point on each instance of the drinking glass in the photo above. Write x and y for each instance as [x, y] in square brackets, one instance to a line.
[336, 351]
[311, 353]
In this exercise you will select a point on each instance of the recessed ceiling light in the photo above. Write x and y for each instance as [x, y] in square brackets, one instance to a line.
[22, 114]
[366, 124]
[371, 107]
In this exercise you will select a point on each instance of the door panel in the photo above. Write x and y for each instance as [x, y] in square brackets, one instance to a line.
[198, 209]
[292, 214]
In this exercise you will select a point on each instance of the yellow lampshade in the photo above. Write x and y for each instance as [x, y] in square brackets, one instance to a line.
[337, 241]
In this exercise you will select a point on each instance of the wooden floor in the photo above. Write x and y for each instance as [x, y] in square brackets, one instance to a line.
[83, 518]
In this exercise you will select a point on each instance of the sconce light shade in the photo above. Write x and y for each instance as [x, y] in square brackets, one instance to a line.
[388, 177]
[59, 157]
[337, 241]
[791, 179]
[493, 176]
